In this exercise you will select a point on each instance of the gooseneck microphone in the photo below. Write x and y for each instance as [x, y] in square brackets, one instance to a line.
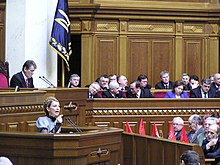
[73, 124]
[47, 81]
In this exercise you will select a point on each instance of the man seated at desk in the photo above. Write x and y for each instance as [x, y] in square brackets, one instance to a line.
[113, 91]
[211, 145]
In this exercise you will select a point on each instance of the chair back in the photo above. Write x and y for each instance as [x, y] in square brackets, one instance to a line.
[4, 75]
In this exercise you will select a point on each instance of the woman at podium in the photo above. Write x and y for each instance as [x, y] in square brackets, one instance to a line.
[51, 123]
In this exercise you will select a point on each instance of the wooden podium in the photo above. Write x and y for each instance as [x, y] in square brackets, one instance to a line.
[97, 146]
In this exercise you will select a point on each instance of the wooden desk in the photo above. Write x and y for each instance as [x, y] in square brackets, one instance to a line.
[115, 112]
[95, 146]
[142, 150]
[20, 110]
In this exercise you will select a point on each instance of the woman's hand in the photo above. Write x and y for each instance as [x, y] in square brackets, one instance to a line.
[60, 119]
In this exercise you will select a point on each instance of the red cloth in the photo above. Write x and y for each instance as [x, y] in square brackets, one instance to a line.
[171, 133]
[3, 81]
[128, 128]
[183, 137]
[141, 128]
[155, 132]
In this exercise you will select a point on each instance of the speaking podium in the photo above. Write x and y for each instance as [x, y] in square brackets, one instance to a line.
[93, 146]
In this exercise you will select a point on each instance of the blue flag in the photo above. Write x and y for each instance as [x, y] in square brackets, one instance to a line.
[60, 40]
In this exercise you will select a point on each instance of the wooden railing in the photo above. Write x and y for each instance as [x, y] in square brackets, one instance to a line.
[142, 150]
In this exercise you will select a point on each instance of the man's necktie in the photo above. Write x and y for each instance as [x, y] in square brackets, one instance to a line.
[205, 95]
[27, 83]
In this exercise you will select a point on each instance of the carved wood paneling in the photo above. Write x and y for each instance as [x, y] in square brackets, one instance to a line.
[193, 58]
[106, 61]
[139, 57]
[162, 58]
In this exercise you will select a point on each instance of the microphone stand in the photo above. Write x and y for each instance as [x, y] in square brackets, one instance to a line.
[73, 124]
[47, 81]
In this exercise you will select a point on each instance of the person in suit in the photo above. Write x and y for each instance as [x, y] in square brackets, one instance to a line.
[203, 91]
[165, 82]
[123, 83]
[190, 158]
[103, 82]
[194, 81]
[207, 123]
[211, 145]
[143, 79]
[112, 77]
[215, 86]
[94, 88]
[196, 126]
[135, 91]
[24, 78]
[177, 91]
[185, 79]
[51, 123]
[74, 81]
[113, 91]
[177, 127]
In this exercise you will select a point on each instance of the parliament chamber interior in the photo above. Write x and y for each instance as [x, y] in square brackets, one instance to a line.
[125, 37]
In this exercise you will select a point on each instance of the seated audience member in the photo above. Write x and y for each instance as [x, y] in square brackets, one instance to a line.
[112, 77]
[103, 82]
[143, 79]
[5, 161]
[177, 127]
[177, 91]
[211, 77]
[165, 82]
[74, 81]
[208, 122]
[194, 81]
[196, 126]
[51, 123]
[211, 145]
[189, 158]
[191, 128]
[136, 91]
[113, 91]
[123, 83]
[24, 78]
[185, 79]
[94, 88]
[215, 86]
[203, 91]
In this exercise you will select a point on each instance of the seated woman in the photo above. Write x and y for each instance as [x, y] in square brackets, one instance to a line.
[177, 91]
[51, 123]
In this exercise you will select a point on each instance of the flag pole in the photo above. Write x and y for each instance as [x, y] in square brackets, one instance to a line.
[63, 74]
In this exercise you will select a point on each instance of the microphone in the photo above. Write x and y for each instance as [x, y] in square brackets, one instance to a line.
[73, 124]
[47, 81]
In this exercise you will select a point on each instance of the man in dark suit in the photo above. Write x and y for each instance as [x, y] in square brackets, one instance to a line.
[215, 86]
[143, 79]
[165, 82]
[185, 80]
[24, 78]
[136, 91]
[177, 127]
[113, 91]
[94, 88]
[203, 91]
[211, 145]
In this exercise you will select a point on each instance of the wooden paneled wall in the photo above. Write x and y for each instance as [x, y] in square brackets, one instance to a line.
[134, 37]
